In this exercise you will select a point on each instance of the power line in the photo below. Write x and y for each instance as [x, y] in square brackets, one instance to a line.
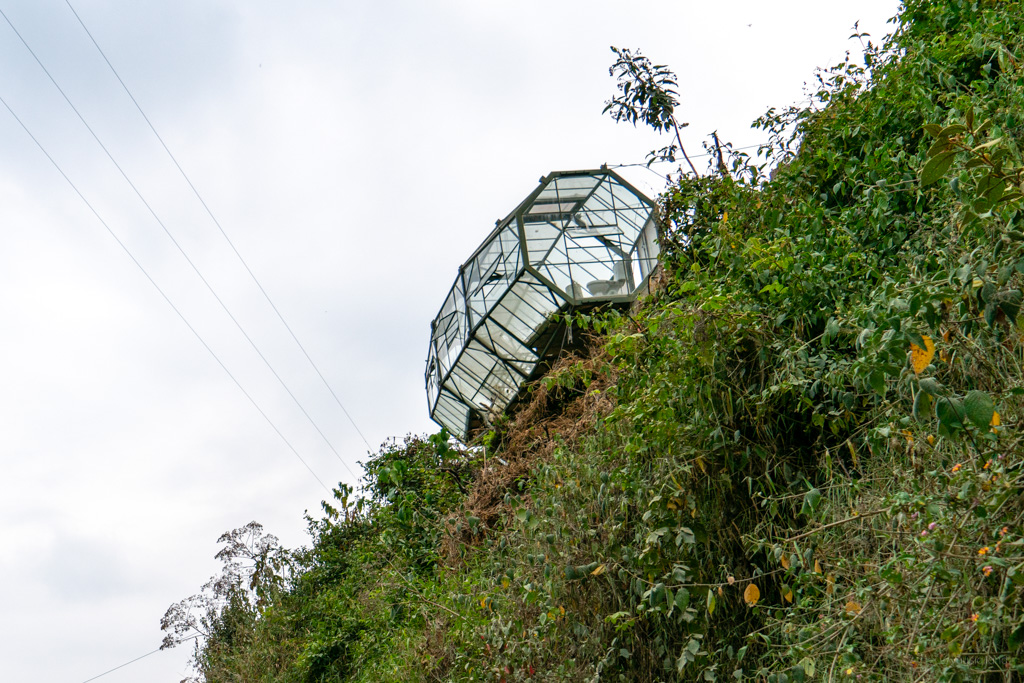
[181, 250]
[692, 156]
[219, 227]
[121, 666]
[161, 291]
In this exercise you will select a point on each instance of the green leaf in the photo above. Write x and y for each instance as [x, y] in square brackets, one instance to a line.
[685, 535]
[831, 329]
[1004, 274]
[923, 407]
[893, 577]
[915, 338]
[988, 292]
[711, 602]
[991, 187]
[682, 598]
[950, 412]
[931, 386]
[937, 167]
[1016, 637]
[932, 129]
[979, 408]
[811, 501]
[990, 314]
[938, 147]
[1010, 302]
[877, 380]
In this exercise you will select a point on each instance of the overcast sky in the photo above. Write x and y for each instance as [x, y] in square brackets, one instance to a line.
[356, 154]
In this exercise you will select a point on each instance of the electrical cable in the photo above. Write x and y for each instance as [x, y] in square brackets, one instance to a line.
[121, 666]
[666, 161]
[178, 246]
[161, 291]
[219, 227]
[692, 156]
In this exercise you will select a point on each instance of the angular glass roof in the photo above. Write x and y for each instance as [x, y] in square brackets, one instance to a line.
[581, 238]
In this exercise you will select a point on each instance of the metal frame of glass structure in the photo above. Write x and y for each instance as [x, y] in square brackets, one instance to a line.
[581, 238]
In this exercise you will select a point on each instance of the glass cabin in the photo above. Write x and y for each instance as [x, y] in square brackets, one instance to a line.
[581, 238]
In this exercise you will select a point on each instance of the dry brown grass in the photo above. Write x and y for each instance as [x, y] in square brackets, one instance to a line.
[553, 414]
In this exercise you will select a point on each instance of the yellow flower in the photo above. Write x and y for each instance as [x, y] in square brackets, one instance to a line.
[983, 551]
[987, 569]
[956, 468]
[974, 617]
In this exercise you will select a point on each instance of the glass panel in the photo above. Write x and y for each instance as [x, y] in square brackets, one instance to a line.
[449, 328]
[646, 258]
[540, 239]
[555, 206]
[506, 347]
[526, 309]
[452, 414]
[591, 221]
[496, 386]
[568, 187]
[489, 275]
[471, 372]
[590, 235]
[433, 382]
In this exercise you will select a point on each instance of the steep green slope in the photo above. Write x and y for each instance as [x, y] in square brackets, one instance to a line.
[800, 459]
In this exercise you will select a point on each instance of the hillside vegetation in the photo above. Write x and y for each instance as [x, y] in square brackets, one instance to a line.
[799, 459]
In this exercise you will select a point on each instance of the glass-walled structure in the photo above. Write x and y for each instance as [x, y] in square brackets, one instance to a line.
[581, 238]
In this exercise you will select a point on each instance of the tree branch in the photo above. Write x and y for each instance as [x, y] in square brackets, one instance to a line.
[833, 524]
